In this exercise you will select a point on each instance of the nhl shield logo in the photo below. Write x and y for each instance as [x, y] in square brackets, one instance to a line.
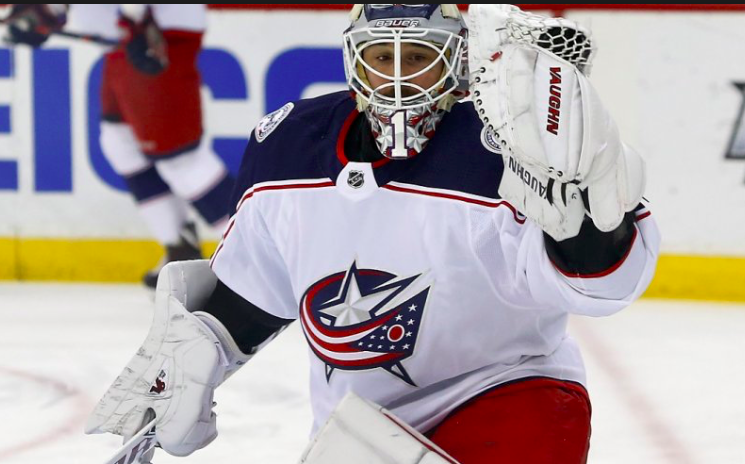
[356, 179]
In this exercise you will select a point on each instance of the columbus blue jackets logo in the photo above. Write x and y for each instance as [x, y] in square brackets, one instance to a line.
[271, 121]
[364, 319]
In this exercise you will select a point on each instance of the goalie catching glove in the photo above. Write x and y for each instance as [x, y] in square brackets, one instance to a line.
[562, 152]
[175, 372]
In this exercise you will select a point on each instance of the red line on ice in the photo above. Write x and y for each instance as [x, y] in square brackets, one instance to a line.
[73, 424]
[655, 427]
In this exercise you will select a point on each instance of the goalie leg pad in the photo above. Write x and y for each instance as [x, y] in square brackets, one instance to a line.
[372, 435]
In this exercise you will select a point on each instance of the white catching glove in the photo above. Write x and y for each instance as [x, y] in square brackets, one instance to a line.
[554, 134]
[176, 370]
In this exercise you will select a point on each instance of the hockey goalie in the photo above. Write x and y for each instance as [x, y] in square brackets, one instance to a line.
[431, 247]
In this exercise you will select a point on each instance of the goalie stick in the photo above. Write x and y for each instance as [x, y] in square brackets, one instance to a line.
[136, 447]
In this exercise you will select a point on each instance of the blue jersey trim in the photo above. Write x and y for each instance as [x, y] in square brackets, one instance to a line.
[304, 146]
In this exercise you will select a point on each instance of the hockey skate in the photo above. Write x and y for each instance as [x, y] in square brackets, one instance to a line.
[186, 249]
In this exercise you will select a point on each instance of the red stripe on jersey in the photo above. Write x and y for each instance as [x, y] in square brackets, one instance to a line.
[449, 196]
[340, 333]
[250, 194]
[336, 348]
[212, 261]
[608, 271]
[383, 358]
[643, 216]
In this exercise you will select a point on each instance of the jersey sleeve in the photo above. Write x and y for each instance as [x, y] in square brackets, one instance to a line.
[539, 283]
[247, 260]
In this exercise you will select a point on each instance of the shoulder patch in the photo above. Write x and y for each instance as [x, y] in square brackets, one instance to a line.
[490, 142]
[271, 121]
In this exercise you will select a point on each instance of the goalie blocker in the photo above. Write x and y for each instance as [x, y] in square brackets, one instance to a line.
[186, 355]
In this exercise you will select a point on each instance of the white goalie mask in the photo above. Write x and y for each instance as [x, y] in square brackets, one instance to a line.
[407, 101]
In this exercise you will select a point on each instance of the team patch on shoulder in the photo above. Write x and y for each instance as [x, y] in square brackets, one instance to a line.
[490, 142]
[271, 121]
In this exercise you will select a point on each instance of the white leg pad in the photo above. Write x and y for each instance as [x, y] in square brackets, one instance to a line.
[365, 433]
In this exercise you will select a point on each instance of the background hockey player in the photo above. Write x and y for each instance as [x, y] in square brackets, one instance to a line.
[151, 132]
[432, 251]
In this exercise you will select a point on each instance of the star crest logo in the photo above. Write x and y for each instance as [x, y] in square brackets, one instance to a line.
[364, 319]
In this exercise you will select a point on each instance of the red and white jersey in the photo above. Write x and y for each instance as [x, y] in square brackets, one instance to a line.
[101, 19]
[416, 286]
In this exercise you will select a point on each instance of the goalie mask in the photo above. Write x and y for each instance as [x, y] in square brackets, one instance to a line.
[406, 66]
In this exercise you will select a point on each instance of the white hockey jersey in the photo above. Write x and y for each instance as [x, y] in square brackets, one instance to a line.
[415, 285]
[101, 18]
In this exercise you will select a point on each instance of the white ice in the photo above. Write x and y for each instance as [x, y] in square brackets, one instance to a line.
[667, 380]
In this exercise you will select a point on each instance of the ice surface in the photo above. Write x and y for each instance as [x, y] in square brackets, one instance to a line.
[667, 380]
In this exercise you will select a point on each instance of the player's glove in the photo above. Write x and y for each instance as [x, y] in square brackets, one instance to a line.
[174, 374]
[558, 142]
[143, 41]
[32, 23]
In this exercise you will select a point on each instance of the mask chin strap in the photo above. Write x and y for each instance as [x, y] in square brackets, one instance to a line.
[399, 150]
